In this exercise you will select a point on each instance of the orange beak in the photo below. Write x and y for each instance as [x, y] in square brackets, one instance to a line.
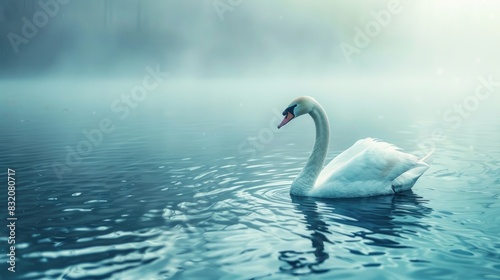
[289, 116]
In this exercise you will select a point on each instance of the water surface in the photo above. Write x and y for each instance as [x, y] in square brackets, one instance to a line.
[201, 191]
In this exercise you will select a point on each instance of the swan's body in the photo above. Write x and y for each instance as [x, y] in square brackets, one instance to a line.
[368, 168]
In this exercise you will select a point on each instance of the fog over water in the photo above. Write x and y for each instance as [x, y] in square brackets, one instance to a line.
[420, 56]
[254, 39]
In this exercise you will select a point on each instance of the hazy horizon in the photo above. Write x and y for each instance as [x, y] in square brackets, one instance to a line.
[251, 39]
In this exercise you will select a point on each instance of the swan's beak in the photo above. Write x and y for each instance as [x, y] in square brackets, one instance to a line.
[289, 116]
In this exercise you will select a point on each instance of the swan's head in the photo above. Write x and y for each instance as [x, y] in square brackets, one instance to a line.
[298, 107]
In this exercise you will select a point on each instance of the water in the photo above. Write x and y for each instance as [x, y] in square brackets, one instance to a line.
[201, 191]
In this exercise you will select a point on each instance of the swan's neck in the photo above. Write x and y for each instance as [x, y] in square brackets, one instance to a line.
[303, 184]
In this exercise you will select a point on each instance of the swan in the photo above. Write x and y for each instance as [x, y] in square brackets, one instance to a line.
[368, 168]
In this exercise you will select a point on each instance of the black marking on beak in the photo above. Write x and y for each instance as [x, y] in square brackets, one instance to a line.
[289, 110]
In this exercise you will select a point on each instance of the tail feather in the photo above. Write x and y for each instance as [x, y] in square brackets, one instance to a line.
[427, 158]
[406, 180]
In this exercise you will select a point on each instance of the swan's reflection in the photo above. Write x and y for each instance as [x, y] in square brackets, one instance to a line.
[297, 260]
[377, 221]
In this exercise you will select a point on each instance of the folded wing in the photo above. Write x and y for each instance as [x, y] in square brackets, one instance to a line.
[369, 167]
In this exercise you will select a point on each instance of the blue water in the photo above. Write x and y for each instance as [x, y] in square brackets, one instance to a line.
[190, 190]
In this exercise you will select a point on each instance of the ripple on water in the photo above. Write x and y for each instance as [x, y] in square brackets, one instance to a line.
[192, 216]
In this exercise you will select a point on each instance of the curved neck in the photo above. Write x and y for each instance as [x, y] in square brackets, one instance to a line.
[307, 177]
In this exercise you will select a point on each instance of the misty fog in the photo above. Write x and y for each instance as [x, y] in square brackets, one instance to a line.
[392, 63]
[202, 39]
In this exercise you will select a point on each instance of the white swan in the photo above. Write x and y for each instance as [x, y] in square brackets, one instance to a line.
[368, 168]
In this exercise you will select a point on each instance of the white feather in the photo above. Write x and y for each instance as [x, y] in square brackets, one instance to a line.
[368, 168]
